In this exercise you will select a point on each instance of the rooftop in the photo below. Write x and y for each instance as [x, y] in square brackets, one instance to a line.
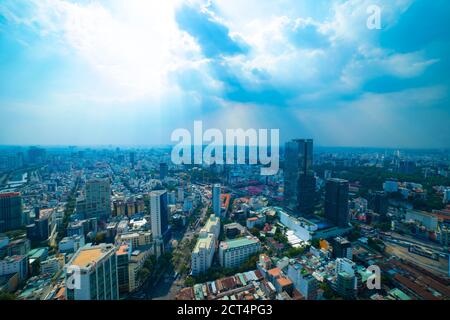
[123, 249]
[204, 242]
[275, 272]
[240, 242]
[90, 255]
[284, 282]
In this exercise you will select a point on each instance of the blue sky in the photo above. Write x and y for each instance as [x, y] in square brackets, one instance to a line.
[130, 72]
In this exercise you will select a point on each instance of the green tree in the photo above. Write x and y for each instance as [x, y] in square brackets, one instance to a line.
[295, 252]
[6, 295]
[143, 274]
[189, 281]
[100, 237]
[328, 293]
[315, 243]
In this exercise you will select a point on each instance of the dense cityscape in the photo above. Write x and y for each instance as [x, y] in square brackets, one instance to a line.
[116, 223]
[205, 159]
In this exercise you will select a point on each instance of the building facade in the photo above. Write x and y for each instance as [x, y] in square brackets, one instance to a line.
[203, 253]
[216, 200]
[299, 180]
[91, 274]
[336, 202]
[96, 202]
[10, 211]
[234, 252]
[159, 216]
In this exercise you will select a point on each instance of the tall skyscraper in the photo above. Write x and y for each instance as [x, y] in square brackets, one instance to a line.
[378, 202]
[10, 211]
[299, 180]
[163, 170]
[133, 158]
[216, 200]
[336, 202]
[97, 199]
[159, 215]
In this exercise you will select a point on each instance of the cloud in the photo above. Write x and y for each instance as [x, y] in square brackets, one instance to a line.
[310, 67]
[213, 36]
[132, 45]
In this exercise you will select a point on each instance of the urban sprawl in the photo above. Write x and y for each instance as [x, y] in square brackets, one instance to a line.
[110, 223]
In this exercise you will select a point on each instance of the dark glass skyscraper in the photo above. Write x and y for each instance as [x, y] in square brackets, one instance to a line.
[299, 180]
[163, 170]
[336, 202]
[159, 213]
[378, 202]
[133, 158]
[10, 211]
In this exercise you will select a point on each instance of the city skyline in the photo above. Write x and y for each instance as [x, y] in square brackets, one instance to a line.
[237, 158]
[116, 73]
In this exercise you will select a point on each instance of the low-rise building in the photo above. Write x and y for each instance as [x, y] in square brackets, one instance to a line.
[137, 260]
[303, 281]
[15, 264]
[233, 253]
[71, 244]
[136, 239]
[51, 266]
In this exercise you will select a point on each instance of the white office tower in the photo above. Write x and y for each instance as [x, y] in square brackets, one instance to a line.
[212, 226]
[203, 253]
[91, 274]
[159, 215]
[216, 200]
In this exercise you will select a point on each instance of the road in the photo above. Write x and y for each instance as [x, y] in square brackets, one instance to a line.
[169, 285]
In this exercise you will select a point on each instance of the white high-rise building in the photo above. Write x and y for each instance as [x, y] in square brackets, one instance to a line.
[158, 212]
[212, 226]
[216, 200]
[159, 215]
[203, 253]
[91, 274]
